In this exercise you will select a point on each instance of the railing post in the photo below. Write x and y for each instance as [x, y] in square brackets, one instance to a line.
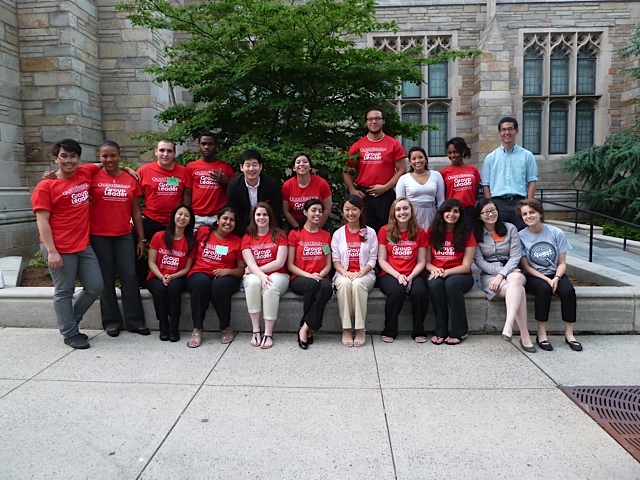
[590, 236]
[575, 227]
[624, 238]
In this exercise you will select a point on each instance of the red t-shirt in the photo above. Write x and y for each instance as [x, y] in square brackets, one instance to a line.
[111, 201]
[67, 200]
[216, 253]
[402, 255]
[311, 249]
[377, 160]
[461, 183]
[163, 190]
[170, 261]
[354, 244]
[264, 249]
[207, 196]
[448, 257]
[297, 196]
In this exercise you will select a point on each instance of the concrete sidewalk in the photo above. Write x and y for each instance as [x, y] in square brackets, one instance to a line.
[134, 407]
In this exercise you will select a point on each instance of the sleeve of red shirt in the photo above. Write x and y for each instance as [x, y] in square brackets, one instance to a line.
[90, 168]
[156, 241]
[229, 171]
[188, 181]
[471, 241]
[246, 242]
[41, 196]
[294, 238]
[382, 236]
[398, 151]
[353, 150]
[427, 238]
[423, 240]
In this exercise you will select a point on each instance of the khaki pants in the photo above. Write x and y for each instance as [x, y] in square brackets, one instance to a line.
[352, 297]
[267, 300]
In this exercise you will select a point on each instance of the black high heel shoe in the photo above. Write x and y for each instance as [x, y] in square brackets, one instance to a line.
[301, 344]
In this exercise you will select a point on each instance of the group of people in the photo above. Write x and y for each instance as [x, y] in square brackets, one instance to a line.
[210, 232]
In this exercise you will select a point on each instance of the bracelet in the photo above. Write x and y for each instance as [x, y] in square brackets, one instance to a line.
[557, 276]
[142, 240]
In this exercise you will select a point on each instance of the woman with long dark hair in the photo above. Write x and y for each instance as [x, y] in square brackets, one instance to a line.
[309, 261]
[449, 257]
[171, 256]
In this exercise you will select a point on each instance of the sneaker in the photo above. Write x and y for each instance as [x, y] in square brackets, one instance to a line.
[77, 341]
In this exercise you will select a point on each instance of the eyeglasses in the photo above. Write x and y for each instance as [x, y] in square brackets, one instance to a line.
[493, 211]
[507, 130]
[374, 119]
[65, 158]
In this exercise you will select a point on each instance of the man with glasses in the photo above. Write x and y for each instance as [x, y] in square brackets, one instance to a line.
[509, 173]
[62, 214]
[380, 162]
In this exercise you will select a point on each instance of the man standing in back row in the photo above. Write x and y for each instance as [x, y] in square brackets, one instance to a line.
[381, 162]
[509, 173]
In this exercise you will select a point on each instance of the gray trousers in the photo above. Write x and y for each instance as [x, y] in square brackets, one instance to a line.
[84, 266]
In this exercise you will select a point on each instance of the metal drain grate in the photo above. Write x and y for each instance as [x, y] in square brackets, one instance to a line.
[616, 409]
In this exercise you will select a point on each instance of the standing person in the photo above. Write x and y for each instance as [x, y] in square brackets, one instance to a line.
[449, 258]
[424, 188]
[264, 250]
[206, 182]
[163, 183]
[171, 256]
[216, 275]
[509, 173]
[498, 256]
[61, 207]
[402, 255]
[461, 180]
[544, 259]
[115, 201]
[309, 261]
[304, 186]
[354, 251]
[381, 162]
[253, 186]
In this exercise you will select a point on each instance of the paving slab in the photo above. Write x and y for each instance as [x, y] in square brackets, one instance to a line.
[326, 364]
[7, 385]
[79, 430]
[137, 359]
[607, 360]
[27, 352]
[276, 433]
[482, 361]
[489, 434]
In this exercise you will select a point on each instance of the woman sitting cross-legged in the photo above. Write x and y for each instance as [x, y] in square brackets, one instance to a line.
[171, 255]
[216, 275]
[264, 250]
[449, 259]
[309, 261]
[354, 250]
[498, 256]
[401, 256]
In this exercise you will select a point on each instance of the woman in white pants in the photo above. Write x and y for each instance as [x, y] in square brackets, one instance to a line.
[264, 249]
[354, 251]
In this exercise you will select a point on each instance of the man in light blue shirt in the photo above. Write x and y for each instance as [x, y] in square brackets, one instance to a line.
[509, 173]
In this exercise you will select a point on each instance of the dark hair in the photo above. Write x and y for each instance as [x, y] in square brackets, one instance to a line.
[170, 231]
[460, 145]
[393, 232]
[508, 120]
[307, 205]
[532, 203]
[67, 144]
[478, 223]
[166, 140]
[249, 155]
[206, 133]
[421, 150]
[439, 227]
[358, 202]
[108, 143]
[301, 154]
[214, 227]
[374, 109]
[275, 231]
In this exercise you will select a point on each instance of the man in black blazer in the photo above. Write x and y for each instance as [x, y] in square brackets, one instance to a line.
[252, 187]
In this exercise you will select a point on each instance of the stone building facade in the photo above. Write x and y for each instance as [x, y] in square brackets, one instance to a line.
[73, 68]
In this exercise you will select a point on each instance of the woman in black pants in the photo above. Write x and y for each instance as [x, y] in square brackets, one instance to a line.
[309, 261]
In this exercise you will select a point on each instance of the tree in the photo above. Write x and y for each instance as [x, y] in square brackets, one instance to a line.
[280, 76]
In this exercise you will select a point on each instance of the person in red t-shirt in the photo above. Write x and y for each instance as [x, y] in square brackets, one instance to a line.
[309, 261]
[115, 201]
[171, 256]
[206, 182]
[163, 184]
[216, 275]
[461, 180]
[449, 258]
[264, 250]
[61, 207]
[302, 187]
[401, 256]
[380, 162]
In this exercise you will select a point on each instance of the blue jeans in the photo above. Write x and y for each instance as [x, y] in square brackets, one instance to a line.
[84, 266]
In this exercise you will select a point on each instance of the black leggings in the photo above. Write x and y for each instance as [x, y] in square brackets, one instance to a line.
[541, 290]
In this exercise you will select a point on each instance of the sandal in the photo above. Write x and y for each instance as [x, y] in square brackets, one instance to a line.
[195, 341]
[347, 339]
[255, 339]
[264, 345]
[455, 340]
[437, 340]
[227, 337]
[359, 342]
[386, 339]
[420, 339]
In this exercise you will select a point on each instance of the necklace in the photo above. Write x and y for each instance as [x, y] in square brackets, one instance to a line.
[378, 140]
